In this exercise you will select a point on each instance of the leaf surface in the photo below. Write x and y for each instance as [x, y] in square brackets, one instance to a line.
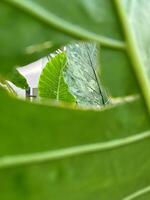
[83, 175]
[47, 23]
[51, 83]
[18, 79]
[82, 74]
[138, 15]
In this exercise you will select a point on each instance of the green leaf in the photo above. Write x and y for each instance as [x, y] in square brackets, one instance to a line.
[29, 40]
[48, 149]
[82, 74]
[133, 51]
[19, 80]
[138, 15]
[52, 152]
[41, 25]
[51, 83]
[86, 20]
[117, 73]
[81, 19]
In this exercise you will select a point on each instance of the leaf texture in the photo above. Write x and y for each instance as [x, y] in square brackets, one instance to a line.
[90, 176]
[52, 84]
[82, 74]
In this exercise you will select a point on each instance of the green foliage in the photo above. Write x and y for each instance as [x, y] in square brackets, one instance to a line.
[29, 38]
[49, 152]
[17, 79]
[82, 74]
[52, 84]
[138, 15]
[48, 134]
[74, 71]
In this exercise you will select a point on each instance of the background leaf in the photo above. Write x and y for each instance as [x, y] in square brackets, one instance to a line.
[52, 84]
[19, 80]
[82, 74]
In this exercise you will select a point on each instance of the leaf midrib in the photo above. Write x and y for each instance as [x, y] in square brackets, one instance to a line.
[138, 193]
[134, 54]
[38, 158]
[50, 19]
[96, 79]
[59, 83]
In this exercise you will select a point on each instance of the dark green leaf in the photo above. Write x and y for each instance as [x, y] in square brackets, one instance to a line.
[17, 79]
[36, 30]
[117, 73]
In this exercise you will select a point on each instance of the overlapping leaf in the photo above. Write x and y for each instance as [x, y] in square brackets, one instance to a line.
[82, 74]
[52, 84]
[40, 27]
[17, 79]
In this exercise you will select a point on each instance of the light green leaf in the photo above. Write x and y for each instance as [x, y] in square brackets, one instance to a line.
[82, 74]
[51, 83]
